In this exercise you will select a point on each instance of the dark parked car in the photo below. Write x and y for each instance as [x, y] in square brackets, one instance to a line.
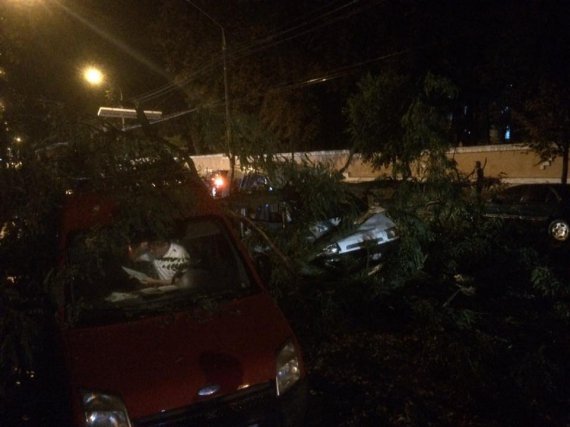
[545, 205]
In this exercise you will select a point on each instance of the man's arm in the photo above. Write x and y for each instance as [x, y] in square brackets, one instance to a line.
[149, 281]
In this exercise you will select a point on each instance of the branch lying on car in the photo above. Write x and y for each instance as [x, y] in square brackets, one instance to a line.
[285, 260]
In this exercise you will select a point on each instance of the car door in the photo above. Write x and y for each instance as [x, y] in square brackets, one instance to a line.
[537, 203]
[507, 204]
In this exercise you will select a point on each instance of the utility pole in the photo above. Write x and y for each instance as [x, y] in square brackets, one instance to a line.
[226, 91]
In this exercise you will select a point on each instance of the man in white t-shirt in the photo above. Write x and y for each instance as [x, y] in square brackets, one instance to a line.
[168, 259]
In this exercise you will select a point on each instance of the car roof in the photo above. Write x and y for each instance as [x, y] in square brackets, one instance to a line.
[562, 190]
[89, 208]
[557, 186]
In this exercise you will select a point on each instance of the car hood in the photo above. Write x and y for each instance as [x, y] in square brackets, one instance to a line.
[161, 363]
[372, 231]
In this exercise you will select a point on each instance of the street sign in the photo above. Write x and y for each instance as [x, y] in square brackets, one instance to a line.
[127, 113]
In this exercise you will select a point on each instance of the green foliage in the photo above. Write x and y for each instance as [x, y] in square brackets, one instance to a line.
[292, 117]
[561, 310]
[538, 373]
[544, 116]
[200, 132]
[319, 184]
[27, 253]
[310, 193]
[392, 123]
[260, 101]
[477, 307]
[255, 146]
[438, 231]
[22, 327]
[29, 196]
[427, 125]
[545, 281]
[150, 189]
[374, 115]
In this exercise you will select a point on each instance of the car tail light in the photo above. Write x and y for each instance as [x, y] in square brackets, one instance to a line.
[219, 181]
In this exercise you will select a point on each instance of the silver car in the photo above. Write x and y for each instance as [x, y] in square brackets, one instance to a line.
[362, 243]
[344, 241]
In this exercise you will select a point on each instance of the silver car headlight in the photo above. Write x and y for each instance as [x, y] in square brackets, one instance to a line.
[104, 410]
[288, 368]
[331, 249]
[392, 232]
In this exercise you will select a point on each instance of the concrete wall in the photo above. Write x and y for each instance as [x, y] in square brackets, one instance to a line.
[211, 162]
[513, 163]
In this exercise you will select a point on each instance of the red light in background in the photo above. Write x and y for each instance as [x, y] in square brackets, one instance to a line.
[219, 181]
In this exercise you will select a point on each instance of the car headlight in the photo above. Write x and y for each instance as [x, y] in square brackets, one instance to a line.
[392, 232]
[288, 368]
[104, 410]
[331, 249]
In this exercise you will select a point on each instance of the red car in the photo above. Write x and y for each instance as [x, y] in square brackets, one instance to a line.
[205, 345]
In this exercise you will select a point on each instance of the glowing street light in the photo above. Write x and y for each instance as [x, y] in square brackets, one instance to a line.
[94, 76]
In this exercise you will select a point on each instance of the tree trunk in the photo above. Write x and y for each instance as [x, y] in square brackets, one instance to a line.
[153, 135]
[565, 149]
[348, 160]
[232, 158]
[192, 145]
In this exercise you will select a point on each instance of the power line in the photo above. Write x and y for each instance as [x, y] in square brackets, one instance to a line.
[259, 45]
[271, 38]
[338, 72]
[245, 53]
[180, 84]
[329, 76]
[166, 118]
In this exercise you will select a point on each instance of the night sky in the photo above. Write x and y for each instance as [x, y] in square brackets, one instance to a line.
[61, 37]
[480, 45]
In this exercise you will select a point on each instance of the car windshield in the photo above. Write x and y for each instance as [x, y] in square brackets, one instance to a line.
[115, 278]
[365, 216]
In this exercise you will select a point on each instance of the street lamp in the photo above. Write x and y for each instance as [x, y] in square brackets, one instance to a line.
[226, 92]
[95, 77]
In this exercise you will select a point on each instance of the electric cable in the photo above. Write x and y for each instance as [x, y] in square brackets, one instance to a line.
[331, 75]
[253, 48]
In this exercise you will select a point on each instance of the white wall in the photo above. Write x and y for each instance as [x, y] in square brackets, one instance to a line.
[511, 162]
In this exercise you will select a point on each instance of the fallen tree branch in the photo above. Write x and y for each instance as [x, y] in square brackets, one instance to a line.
[284, 258]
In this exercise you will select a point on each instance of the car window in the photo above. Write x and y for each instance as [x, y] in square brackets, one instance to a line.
[535, 194]
[255, 181]
[512, 195]
[112, 278]
[552, 197]
[267, 212]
